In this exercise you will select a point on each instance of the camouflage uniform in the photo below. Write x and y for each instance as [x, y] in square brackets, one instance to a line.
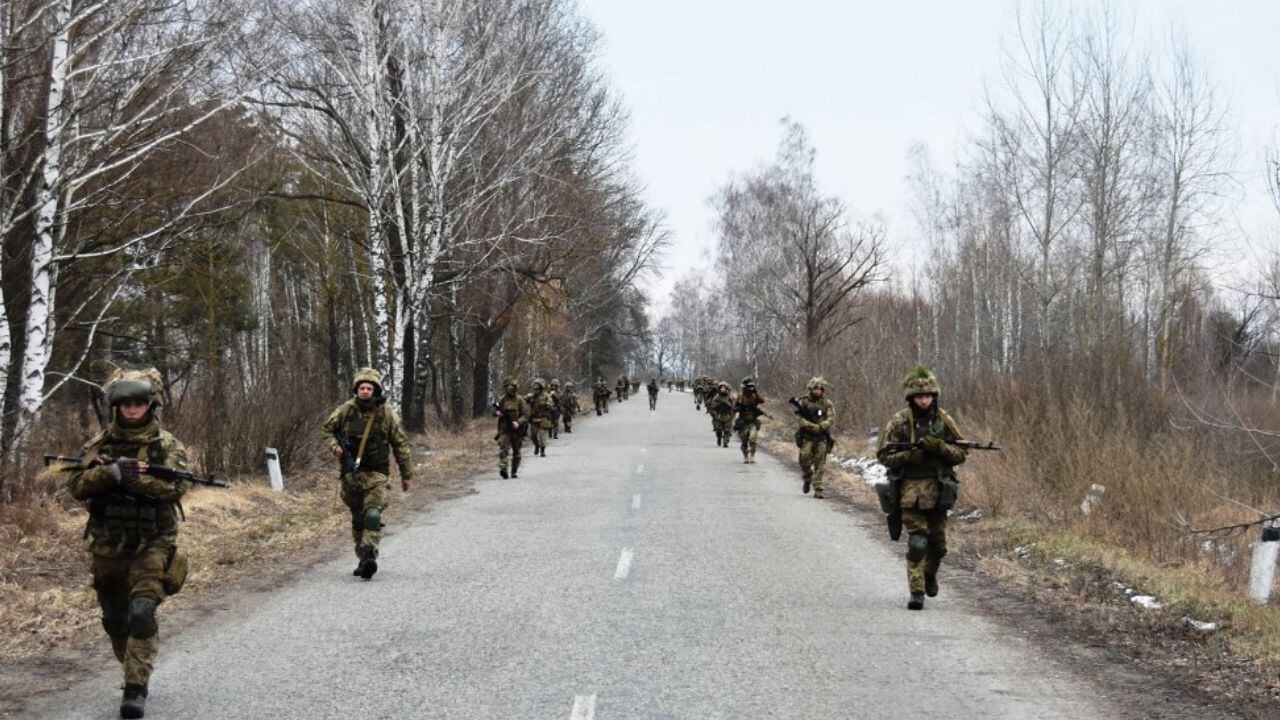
[652, 387]
[569, 406]
[601, 396]
[367, 491]
[621, 387]
[554, 394]
[635, 386]
[925, 480]
[132, 531]
[697, 393]
[750, 410]
[539, 417]
[814, 438]
[510, 408]
[720, 405]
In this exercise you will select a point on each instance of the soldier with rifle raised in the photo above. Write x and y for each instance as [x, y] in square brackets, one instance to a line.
[132, 477]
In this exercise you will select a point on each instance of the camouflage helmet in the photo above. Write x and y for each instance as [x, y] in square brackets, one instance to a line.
[510, 381]
[748, 381]
[538, 383]
[367, 375]
[722, 384]
[555, 382]
[145, 385]
[817, 382]
[569, 385]
[920, 381]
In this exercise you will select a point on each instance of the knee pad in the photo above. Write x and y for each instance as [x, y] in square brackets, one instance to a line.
[373, 519]
[142, 617]
[917, 545]
[117, 626]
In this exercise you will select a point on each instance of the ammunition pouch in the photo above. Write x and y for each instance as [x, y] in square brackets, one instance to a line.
[950, 492]
[888, 493]
[175, 573]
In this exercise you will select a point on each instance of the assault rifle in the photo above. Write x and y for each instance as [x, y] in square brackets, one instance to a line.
[350, 463]
[168, 474]
[962, 444]
[750, 407]
[813, 416]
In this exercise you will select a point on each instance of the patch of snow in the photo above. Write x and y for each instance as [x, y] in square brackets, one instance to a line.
[1146, 601]
[1024, 551]
[1200, 625]
[1059, 561]
[973, 515]
[872, 472]
[1093, 498]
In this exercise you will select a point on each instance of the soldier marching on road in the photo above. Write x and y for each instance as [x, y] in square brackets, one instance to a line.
[554, 394]
[622, 387]
[372, 434]
[817, 414]
[539, 417]
[924, 478]
[132, 529]
[652, 387]
[513, 416]
[601, 397]
[750, 408]
[720, 405]
[569, 406]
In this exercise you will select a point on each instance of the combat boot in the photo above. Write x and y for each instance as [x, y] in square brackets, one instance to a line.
[503, 472]
[751, 456]
[817, 494]
[368, 567]
[134, 703]
[916, 602]
[515, 466]
[808, 482]
[931, 584]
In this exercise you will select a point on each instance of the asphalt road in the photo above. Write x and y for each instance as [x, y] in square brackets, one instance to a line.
[636, 572]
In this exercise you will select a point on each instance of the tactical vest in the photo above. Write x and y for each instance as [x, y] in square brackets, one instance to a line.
[751, 407]
[123, 519]
[377, 449]
[511, 407]
[539, 407]
[932, 466]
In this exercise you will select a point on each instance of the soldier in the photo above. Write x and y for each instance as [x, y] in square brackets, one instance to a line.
[680, 384]
[635, 385]
[601, 396]
[513, 417]
[669, 384]
[720, 405]
[621, 387]
[750, 408]
[554, 394]
[697, 393]
[925, 477]
[539, 417]
[652, 387]
[569, 406]
[817, 415]
[133, 524]
[372, 433]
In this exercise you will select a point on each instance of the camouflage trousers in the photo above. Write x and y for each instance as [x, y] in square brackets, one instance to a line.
[747, 434]
[813, 460]
[723, 428]
[537, 434]
[567, 418]
[509, 446]
[931, 525]
[602, 405]
[653, 401]
[118, 581]
[555, 426]
[360, 493]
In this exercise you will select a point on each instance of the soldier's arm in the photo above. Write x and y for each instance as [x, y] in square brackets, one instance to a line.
[399, 440]
[86, 482]
[827, 422]
[894, 433]
[953, 454]
[331, 424]
[175, 456]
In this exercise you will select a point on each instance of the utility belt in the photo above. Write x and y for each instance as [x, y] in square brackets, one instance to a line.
[128, 518]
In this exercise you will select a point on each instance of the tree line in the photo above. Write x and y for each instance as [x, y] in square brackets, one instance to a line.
[259, 197]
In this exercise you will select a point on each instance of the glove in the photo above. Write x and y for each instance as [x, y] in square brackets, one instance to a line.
[934, 445]
[130, 469]
[917, 455]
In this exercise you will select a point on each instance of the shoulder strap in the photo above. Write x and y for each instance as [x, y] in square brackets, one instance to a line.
[364, 439]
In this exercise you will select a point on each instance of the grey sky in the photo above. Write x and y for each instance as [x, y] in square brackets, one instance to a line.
[706, 82]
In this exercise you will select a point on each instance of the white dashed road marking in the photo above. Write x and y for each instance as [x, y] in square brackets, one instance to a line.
[584, 707]
[635, 501]
[624, 565]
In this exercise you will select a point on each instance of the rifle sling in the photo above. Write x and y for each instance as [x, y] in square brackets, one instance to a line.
[364, 439]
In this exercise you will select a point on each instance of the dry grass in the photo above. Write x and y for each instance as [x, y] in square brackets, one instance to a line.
[229, 535]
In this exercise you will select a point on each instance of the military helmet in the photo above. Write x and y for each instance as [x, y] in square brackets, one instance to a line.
[817, 382]
[748, 381]
[510, 381]
[367, 375]
[722, 384]
[555, 383]
[920, 381]
[568, 385]
[538, 383]
[145, 385]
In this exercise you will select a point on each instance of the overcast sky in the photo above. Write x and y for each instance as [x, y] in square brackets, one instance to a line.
[706, 82]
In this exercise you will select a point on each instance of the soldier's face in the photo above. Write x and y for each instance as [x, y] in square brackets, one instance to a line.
[131, 411]
[364, 391]
[922, 402]
[511, 390]
[816, 392]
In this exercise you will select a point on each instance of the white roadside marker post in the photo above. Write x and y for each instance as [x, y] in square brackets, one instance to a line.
[273, 470]
[1262, 574]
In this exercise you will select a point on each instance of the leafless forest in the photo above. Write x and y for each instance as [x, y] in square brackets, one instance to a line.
[259, 197]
